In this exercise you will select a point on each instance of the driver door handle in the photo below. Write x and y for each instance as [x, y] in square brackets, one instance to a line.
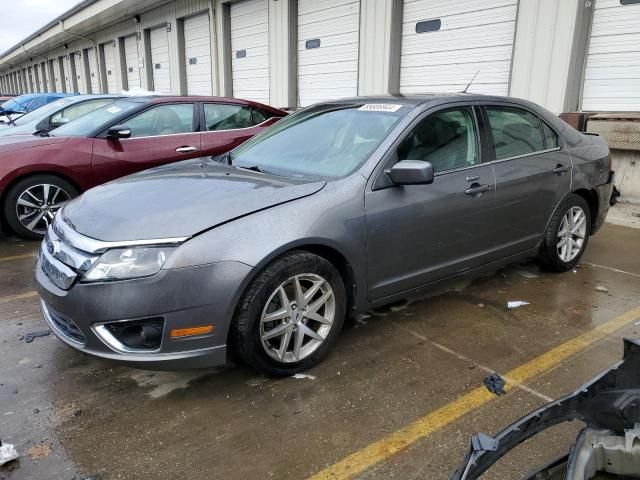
[560, 169]
[186, 149]
[476, 190]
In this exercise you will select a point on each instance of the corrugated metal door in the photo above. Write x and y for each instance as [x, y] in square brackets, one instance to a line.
[68, 81]
[76, 58]
[93, 71]
[159, 40]
[328, 43]
[444, 44]
[131, 61]
[250, 49]
[197, 54]
[612, 74]
[59, 76]
[109, 53]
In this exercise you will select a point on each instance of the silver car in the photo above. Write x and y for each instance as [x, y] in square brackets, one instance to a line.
[54, 114]
[339, 208]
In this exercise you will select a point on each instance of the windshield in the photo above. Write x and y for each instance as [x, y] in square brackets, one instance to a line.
[327, 141]
[96, 120]
[42, 112]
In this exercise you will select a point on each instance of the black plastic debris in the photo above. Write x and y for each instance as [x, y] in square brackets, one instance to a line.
[29, 337]
[495, 384]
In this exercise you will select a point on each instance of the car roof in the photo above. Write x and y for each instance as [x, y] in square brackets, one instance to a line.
[431, 98]
[201, 98]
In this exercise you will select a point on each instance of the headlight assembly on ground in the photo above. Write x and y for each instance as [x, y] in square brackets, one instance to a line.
[125, 263]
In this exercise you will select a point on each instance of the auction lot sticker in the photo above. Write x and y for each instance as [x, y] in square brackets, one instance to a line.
[380, 107]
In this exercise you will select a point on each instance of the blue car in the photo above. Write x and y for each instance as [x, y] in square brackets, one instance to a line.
[14, 108]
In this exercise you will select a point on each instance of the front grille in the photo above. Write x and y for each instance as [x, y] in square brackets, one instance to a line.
[66, 327]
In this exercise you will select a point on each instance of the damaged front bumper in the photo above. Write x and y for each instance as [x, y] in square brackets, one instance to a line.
[610, 407]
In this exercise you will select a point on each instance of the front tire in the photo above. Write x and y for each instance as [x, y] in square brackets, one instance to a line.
[31, 204]
[290, 315]
[567, 235]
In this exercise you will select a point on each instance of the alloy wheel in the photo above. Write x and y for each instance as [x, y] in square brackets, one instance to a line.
[571, 234]
[38, 204]
[297, 317]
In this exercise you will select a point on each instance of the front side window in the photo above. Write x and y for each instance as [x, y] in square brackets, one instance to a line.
[74, 111]
[95, 121]
[515, 131]
[447, 139]
[325, 141]
[162, 120]
[220, 116]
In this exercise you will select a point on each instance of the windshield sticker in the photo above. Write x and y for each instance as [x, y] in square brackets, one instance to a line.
[113, 109]
[380, 107]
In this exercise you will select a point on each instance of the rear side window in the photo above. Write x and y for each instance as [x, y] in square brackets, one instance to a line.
[550, 137]
[220, 116]
[515, 131]
[260, 116]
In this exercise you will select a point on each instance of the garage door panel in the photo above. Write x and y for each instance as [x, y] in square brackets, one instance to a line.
[132, 59]
[159, 42]
[612, 73]
[110, 67]
[250, 36]
[93, 71]
[442, 60]
[197, 44]
[331, 69]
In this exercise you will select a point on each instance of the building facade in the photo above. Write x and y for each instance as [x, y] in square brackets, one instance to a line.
[567, 55]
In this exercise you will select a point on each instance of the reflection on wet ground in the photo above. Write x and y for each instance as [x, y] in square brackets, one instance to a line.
[70, 414]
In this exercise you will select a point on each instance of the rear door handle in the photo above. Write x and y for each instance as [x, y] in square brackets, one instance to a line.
[186, 149]
[560, 169]
[476, 190]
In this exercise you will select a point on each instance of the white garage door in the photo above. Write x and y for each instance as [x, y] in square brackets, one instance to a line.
[59, 76]
[93, 70]
[131, 61]
[250, 50]
[76, 61]
[612, 75]
[328, 34]
[109, 52]
[197, 54]
[444, 44]
[159, 40]
[68, 81]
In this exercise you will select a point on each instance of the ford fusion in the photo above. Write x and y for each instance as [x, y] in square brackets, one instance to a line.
[336, 209]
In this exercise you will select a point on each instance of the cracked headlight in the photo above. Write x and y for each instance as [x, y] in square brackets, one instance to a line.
[125, 263]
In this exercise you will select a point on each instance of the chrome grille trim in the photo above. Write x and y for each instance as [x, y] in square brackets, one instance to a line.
[66, 233]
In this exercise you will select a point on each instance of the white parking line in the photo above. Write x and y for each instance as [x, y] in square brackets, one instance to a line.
[612, 269]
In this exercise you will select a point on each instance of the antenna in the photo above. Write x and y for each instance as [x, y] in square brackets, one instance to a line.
[469, 84]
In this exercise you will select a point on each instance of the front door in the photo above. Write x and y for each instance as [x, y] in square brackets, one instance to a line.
[533, 174]
[420, 233]
[161, 134]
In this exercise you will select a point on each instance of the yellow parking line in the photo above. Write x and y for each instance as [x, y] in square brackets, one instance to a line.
[20, 296]
[17, 257]
[386, 447]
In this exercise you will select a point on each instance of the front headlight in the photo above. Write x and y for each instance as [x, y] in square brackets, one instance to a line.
[125, 263]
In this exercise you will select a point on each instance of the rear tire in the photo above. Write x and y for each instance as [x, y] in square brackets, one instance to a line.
[567, 235]
[303, 330]
[46, 194]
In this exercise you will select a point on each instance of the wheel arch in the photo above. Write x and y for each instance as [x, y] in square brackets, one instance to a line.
[591, 197]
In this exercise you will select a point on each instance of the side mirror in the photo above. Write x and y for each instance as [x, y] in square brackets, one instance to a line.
[43, 125]
[411, 172]
[118, 131]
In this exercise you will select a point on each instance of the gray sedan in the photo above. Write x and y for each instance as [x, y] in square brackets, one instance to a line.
[54, 114]
[339, 208]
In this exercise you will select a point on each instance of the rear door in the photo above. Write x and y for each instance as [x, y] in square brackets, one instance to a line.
[417, 234]
[228, 125]
[533, 174]
[161, 134]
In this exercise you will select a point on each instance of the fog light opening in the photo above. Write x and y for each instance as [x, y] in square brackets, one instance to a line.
[138, 334]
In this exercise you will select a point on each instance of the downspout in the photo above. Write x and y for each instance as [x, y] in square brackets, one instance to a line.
[97, 55]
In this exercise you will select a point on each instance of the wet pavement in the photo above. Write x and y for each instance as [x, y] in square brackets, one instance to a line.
[72, 416]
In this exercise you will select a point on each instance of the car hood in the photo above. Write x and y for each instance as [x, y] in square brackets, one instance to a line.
[178, 200]
[19, 142]
[8, 130]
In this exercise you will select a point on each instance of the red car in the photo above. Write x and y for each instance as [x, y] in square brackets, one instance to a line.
[39, 174]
